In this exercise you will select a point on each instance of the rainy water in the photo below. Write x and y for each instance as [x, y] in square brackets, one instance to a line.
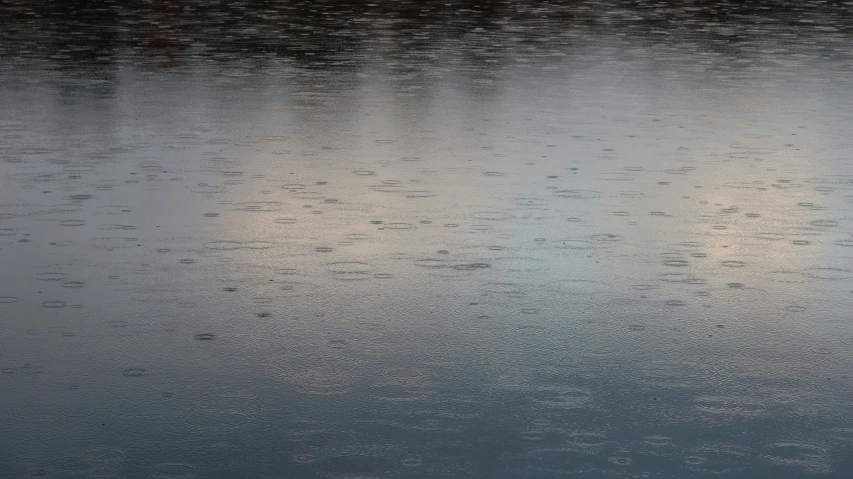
[426, 239]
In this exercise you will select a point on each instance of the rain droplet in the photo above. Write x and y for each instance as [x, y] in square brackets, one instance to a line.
[399, 226]
[50, 277]
[824, 223]
[31, 369]
[411, 462]
[578, 194]
[431, 263]
[304, 458]
[491, 216]
[323, 381]
[259, 206]
[730, 406]
[606, 237]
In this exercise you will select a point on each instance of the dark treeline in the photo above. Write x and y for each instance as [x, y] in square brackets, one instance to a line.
[343, 31]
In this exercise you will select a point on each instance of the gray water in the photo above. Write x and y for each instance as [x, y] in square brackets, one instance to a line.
[426, 239]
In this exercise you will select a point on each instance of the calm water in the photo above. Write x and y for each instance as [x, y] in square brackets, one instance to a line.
[426, 240]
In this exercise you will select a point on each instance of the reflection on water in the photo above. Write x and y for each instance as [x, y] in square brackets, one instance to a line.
[426, 239]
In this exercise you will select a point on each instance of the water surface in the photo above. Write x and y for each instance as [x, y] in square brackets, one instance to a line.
[426, 240]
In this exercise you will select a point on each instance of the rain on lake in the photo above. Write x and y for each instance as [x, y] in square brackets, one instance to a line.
[426, 239]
